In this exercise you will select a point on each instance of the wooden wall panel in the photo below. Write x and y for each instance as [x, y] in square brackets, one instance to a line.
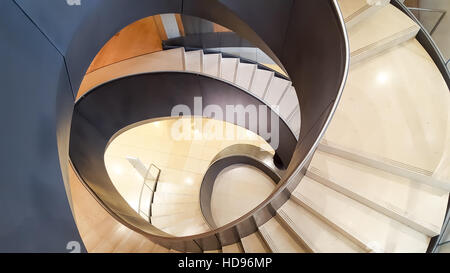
[141, 37]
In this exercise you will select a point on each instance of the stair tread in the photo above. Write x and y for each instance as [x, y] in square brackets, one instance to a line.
[212, 251]
[211, 64]
[366, 227]
[315, 233]
[261, 79]
[228, 68]
[295, 122]
[391, 193]
[387, 27]
[353, 8]
[193, 61]
[167, 220]
[276, 90]
[186, 227]
[233, 248]
[278, 239]
[166, 197]
[379, 91]
[164, 186]
[173, 208]
[244, 75]
[288, 103]
[253, 243]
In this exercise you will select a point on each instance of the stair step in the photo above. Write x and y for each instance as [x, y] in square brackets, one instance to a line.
[213, 251]
[186, 227]
[233, 248]
[276, 90]
[399, 198]
[261, 80]
[165, 197]
[386, 28]
[384, 164]
[278, 238]
[211, 64]
[169, 187]
[173, 208]
[294, 122]
[371, 230]
[193, 61]
[394, 115]
[167, 220]
[317, 235]
[245, 74]
[254, 243]
[288, 103]
[228, 68]
[355, 11]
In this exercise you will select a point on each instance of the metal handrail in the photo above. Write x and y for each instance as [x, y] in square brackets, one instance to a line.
[444, 12]
[151, 188]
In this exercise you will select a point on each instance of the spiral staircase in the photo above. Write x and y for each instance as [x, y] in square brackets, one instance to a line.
[364, 167]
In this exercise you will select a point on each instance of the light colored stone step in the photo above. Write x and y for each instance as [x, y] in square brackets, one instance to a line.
[370, 229]
[278, 238]
[174, 208]
[254, 243]
[233, 248]
[213, 251]
[167, 220]
[187, 227]
[228, 69]
[395, 107]
[384, 29]
[294, 122]
[355, 11]
[169, 187]
[194, 60]
[260, 82]
[399, 198]
[316, 234]
[276, 90]
[165, 197]
[212, 64]
[385, 164]
[288, 104]
[245, 74]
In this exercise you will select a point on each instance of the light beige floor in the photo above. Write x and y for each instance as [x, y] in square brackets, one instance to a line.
[183, 162]
[237, 190]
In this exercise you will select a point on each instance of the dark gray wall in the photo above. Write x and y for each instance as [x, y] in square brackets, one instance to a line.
[36, 216]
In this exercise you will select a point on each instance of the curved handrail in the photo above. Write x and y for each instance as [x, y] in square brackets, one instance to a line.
[235, 154]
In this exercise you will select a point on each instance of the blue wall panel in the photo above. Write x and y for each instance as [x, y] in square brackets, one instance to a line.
[36, 216]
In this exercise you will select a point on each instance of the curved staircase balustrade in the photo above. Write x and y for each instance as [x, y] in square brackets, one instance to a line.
[235, 154]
